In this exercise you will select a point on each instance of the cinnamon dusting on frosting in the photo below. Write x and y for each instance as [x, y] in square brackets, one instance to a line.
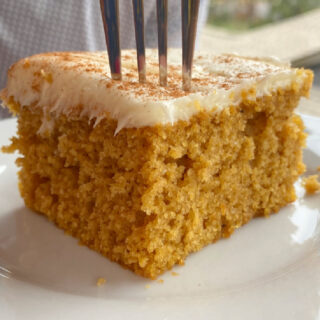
[59, 82]
[203, 80]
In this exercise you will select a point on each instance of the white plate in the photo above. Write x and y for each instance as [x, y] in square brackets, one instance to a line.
[268, 269]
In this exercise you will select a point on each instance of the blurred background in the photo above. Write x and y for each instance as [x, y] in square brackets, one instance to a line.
[239, 15]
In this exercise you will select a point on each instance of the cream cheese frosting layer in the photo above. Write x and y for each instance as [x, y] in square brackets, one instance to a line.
[79, 84]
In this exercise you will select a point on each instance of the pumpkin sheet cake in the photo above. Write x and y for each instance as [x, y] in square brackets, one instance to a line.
[145, 174]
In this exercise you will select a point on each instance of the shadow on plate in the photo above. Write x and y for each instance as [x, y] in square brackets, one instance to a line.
[311, 160]
[33, 250]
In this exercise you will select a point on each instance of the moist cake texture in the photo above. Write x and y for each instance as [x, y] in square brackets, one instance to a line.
[143, 174]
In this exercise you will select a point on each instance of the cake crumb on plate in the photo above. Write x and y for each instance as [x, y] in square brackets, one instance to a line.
[101, 282]
[311, 184]
[174, 273]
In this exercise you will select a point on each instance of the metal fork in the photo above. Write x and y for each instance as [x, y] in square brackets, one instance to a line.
[110, 18]
[189, 15]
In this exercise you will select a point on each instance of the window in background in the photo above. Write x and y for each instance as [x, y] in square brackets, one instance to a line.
[237, 15]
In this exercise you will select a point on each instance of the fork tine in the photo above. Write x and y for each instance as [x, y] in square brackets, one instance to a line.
[139, 30]
[162, 18]
[189, 11]
[110, 17]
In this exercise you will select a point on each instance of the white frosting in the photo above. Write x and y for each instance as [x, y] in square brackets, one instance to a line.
[79, 84]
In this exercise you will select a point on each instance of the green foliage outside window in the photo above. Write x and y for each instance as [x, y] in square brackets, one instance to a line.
[237, 15]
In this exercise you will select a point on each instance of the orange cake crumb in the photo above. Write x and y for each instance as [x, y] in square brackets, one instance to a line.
[101, 282]
[311, 184]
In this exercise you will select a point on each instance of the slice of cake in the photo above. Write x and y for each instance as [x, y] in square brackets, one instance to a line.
[144, 174]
